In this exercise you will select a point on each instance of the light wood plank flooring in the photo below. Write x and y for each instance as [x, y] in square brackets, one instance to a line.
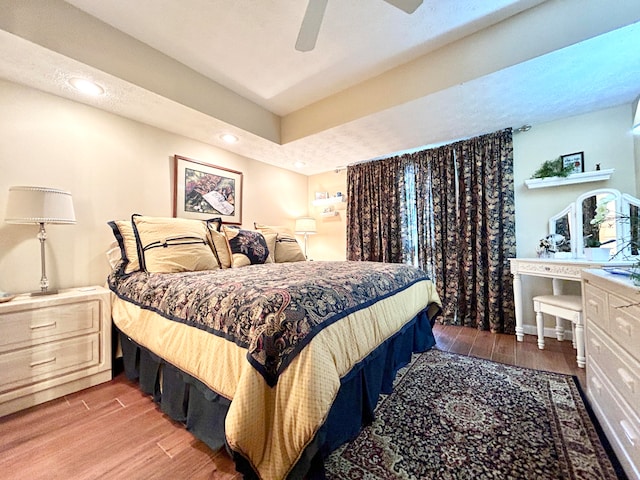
[113, 431]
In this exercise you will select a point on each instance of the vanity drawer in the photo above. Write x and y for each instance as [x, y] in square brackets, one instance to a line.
[31, 326]
[596, 306]
[624, 324]
[30, 365]
[621, 369]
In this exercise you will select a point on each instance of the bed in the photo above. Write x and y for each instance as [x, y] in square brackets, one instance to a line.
[280, 362]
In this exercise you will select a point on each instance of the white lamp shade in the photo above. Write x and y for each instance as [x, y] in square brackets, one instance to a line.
[39, 205]
[305, 225]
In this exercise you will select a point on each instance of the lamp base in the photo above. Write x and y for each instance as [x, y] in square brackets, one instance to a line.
[42, 293]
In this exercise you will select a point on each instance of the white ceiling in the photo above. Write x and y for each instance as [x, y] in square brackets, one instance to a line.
[355, 97]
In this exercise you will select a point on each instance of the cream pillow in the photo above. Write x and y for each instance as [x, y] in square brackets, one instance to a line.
[287, 248]
[219, 241]
[123, 231]
[170, 245]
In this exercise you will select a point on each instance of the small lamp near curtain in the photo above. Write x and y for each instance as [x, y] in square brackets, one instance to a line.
[305, 226]
[40, 205]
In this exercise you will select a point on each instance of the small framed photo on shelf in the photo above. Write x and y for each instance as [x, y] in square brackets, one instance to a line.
[322, 195]
[575, 159]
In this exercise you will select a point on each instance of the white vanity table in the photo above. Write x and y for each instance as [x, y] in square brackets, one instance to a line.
[573, 225]
[555, 269]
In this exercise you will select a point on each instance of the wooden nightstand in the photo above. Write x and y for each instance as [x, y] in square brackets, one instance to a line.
[53, 345]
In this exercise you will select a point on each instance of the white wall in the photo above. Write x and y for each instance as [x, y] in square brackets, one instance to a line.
[330, 243]
[113, 167]
[605, 138]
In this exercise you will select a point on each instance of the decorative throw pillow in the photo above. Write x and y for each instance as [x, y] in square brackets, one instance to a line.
[221, 247]
[170, 245]
[248, 247]
[287, 248]
[123, 231]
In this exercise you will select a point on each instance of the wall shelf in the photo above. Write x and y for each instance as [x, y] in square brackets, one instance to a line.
[330, 200]
[583, 177]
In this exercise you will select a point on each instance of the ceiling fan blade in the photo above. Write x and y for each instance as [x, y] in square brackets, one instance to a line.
[408, 6]
[311, 25]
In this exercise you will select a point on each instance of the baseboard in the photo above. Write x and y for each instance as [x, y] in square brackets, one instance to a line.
[548, 332]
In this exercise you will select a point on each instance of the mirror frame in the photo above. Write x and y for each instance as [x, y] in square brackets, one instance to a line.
[570, 211]
[623, 203]
[580, 227]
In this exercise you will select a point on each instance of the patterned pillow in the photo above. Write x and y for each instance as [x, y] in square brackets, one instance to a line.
[248, 247]
[123, 231]
[169, 245]
[287, 248]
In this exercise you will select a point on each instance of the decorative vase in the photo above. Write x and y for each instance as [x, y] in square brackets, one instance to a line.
[597, 254]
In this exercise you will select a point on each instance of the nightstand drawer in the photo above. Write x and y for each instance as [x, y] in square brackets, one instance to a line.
[36, 325]
[31, 365]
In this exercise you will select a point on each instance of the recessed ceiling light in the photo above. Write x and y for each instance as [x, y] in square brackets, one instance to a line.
[299, 164]
[229, 138]
[86, 86]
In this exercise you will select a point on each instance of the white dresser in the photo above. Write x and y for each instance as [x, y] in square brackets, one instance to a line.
[53, 345]
[612, 335]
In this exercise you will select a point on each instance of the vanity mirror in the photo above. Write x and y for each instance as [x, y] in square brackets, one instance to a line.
[616, 225]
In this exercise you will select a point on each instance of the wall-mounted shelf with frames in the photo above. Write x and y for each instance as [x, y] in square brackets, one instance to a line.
[329, 201]
[583, 177]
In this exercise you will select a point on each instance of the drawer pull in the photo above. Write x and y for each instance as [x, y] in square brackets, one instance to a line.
[43, 362]
[596, 385]
[43, 325]
[627, 379]
[596, 345]
[628, 432]
[624, 325]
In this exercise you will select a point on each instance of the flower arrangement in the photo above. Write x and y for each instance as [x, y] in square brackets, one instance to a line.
[549, 245]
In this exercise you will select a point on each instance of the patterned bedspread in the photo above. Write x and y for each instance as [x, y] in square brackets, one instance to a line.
[286, 305]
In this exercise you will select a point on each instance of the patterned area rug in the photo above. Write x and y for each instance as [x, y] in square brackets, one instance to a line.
[457, 417]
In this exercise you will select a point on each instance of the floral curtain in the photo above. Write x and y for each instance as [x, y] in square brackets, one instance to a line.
[374, 211]
[453, 215]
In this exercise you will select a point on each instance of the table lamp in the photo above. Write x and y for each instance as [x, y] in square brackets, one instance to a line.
[40, 205]
[305, 226]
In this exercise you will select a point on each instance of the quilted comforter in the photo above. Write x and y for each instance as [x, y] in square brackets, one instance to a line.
[275, 339]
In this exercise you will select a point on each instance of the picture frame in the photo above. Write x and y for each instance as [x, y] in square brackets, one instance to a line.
[203, 191]
[322, 195]
[576, 159]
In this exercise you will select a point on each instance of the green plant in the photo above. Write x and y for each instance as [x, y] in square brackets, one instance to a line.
[553, 168]
[591, 242]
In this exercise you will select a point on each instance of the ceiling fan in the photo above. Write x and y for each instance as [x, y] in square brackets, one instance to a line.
[315, 12]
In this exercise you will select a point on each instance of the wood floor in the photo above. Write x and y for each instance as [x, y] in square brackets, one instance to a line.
[113, 431]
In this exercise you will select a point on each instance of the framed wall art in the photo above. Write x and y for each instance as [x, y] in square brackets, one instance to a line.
[204, 191]
[575, 159]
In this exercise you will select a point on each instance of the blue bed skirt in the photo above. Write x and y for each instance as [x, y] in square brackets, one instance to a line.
[186, 399]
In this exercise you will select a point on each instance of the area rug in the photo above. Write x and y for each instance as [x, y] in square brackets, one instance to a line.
[457, 417]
